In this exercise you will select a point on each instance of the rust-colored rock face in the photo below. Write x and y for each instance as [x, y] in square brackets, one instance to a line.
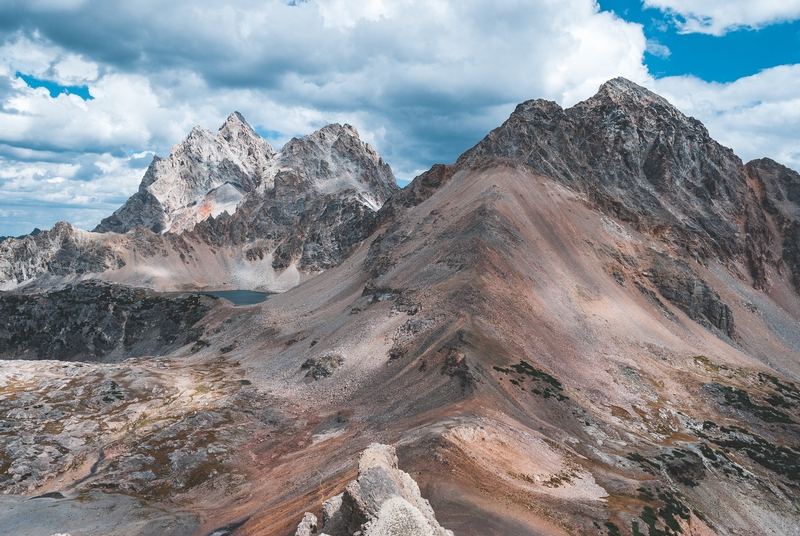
[588, 324]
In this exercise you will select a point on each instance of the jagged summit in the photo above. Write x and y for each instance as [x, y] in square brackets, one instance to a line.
[335, 159]
[622, 89]
[620, 99]
[238, 133]
[637, 157]
[205, 175]
[208, 174]
[641, 160]
[305, 207]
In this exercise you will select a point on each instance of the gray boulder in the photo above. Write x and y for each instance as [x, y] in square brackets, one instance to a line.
[382, 501]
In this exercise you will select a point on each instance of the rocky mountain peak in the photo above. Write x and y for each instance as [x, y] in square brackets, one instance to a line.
[621, 104]
[208, 174]
[317, 201]
[205, 175]
[334, 158]
[238, 133]
[623, 90]
[636, 156]
[306, 207]
[641, 160]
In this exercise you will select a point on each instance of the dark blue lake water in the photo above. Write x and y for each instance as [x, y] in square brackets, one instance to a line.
[239, 297]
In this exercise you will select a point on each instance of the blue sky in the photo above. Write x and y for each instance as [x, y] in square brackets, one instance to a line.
[90, 90]
[54, 88]
[738, 53]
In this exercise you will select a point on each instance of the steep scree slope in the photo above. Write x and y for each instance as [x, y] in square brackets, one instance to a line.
[548, 361]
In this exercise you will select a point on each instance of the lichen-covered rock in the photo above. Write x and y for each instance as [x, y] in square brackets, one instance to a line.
[382, 501]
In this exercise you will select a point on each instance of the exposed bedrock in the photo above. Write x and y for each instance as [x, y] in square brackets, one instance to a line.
[93, 321]
[226, 208]
[682, 287]
[382, 501]
[644, 162]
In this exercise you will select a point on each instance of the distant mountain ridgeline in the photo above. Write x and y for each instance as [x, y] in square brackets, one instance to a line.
[223, 210]
[35, 232]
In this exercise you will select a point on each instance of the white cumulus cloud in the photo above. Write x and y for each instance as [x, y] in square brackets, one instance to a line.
[716, 17]
[757, 116]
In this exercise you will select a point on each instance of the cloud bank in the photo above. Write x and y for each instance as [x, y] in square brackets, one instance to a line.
[717, 18]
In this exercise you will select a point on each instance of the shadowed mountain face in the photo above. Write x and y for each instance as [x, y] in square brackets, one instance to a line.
[92, 321]
[586, 325]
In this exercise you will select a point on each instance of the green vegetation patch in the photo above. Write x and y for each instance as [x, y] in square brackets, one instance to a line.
[785, 395]
[545, 385]
[708, 452]
[668, 515]
[740, 399]
[779, 459]
[788, 390]
[635, 529]
[783, 460]
[707, 364]
[643, 462]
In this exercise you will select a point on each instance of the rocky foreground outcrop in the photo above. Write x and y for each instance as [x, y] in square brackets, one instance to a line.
[382, 501]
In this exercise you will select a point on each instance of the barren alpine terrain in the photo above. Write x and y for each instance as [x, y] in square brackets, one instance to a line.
[588, 324]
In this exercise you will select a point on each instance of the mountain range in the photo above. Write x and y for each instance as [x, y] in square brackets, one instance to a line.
[266, 219]
[588, 324]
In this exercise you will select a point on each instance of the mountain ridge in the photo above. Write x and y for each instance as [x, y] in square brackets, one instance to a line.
[586, 324]
[620, 148]
[278, 216]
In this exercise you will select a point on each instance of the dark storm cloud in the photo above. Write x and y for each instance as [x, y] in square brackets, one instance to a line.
[151, 37]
